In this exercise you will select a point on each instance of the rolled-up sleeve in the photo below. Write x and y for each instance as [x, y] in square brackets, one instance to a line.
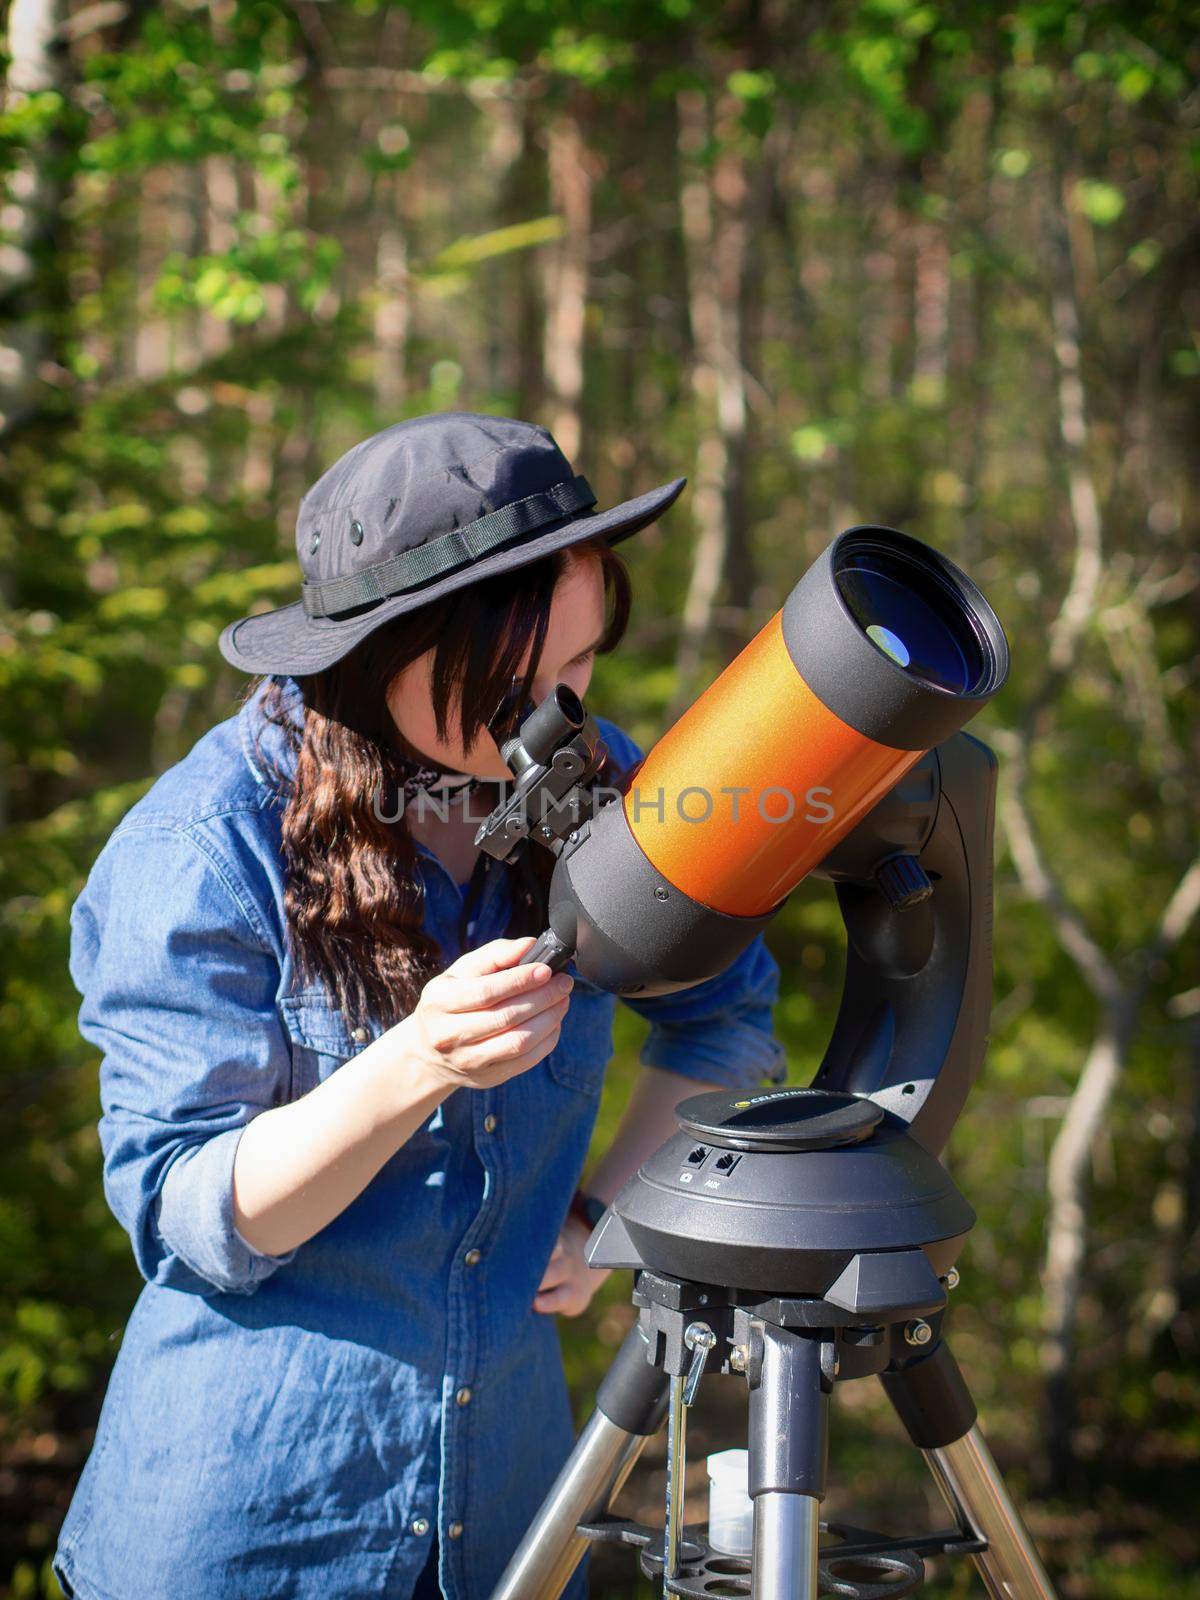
[178, 991]
[721, 1030]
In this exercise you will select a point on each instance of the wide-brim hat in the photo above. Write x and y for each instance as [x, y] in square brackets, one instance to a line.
[415, 512]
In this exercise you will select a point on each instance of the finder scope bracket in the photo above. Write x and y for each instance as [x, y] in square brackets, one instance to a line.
[553, 756]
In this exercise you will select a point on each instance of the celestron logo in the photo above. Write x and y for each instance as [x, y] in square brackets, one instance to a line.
[758, 1099]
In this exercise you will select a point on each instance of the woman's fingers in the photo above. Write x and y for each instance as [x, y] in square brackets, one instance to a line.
[568, 1283]
[485, 1018]
[474, 1026]
[567, 1300]
[494, 1072]
[490, 957]
[556, 1272]
[494, 989]
[548, 1300]
[493, 978]
[515, 1049]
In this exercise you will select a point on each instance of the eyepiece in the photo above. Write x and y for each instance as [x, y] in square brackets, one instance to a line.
[569, 703]
[558, 716]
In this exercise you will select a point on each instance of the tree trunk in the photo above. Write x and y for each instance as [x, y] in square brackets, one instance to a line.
[392, 304]
[152, 341]
[714, 236]
[38, 63]
[221, 192]
[749, 198]
[569, 168]
[1067, 1224]
[970, 388]
[523, 196]
[1084, 500]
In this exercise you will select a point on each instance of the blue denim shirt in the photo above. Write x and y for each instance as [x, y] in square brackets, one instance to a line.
[305, 1425]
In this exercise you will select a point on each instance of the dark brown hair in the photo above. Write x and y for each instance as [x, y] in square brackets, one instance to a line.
[353, 895]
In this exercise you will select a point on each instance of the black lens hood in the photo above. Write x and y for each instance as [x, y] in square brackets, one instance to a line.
[853, 677]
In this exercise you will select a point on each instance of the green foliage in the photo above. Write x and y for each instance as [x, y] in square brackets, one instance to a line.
[190, 90]
[232, 284]
[199, 377]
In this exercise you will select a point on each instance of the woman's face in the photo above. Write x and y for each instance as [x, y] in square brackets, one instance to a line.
[575, 627]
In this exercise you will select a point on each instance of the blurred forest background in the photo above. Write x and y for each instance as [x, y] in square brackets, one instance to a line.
[928, 264]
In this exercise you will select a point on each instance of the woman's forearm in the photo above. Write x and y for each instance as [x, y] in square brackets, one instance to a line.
[298, 1166]
[647, 1122]
[486, 1018]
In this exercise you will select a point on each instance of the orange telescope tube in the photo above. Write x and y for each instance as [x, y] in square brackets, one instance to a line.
[755, 784]
[882, 650]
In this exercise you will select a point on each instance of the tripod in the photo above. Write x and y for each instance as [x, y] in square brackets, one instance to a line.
[883, 1317]
[801, 1238]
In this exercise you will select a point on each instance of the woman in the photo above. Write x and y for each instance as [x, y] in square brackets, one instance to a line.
[341, 1123]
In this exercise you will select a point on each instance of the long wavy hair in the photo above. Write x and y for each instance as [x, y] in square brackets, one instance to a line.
[353, 898]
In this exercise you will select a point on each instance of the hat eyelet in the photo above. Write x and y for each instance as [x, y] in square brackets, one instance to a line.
[356, 533]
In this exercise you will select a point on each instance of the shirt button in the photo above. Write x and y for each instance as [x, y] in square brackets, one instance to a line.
[359, 1035]
[455, 1530]
[463, 1397]
[473, 1257]
[489, 1123]
[420, 1526]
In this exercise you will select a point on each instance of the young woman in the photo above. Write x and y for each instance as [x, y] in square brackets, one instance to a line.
[342, 1124]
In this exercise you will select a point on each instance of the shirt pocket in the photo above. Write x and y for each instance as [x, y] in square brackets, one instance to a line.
[319, 1037]
[584, 1049]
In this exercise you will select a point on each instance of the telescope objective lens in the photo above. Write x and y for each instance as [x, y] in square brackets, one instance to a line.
[912, 614]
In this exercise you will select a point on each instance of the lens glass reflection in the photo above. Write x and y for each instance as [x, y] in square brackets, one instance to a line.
[889, 643]
[910, 614]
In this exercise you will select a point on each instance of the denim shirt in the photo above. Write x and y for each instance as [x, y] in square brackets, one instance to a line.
[305, 1425]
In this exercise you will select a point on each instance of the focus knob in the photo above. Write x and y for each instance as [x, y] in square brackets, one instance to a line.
[902, 882]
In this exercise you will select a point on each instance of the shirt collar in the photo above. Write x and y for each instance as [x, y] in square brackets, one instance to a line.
[266, 748]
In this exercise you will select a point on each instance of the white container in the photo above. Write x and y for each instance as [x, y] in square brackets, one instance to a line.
[730, 1508]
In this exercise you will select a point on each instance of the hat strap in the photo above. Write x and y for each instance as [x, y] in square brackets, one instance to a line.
[412, 567]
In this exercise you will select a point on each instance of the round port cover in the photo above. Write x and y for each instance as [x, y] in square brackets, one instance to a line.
[779, 1119]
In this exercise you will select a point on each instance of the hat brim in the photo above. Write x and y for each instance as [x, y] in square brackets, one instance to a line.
[289, 641]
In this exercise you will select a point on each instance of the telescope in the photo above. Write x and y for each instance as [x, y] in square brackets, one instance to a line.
[793, 1237]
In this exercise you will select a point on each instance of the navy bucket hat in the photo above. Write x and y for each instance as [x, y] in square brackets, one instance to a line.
[415, 512]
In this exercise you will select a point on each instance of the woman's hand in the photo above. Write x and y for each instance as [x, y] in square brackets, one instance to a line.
[486, 1019]
[568, 1283]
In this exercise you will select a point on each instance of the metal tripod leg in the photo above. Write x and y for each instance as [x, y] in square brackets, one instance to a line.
[629, 1409]
[972, 1486]
[933, 1403]
[789, 1407]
